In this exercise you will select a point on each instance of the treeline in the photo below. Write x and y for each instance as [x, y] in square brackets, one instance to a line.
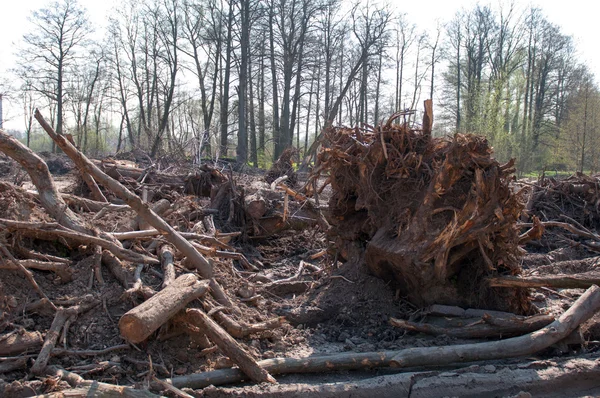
[515, 77]
[248, 78]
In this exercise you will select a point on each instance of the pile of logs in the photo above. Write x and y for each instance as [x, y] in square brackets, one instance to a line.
[169, 305]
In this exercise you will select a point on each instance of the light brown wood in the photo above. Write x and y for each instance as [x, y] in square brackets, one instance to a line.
[563, 281]
[16, 343]
[583, 309]
[140, 322]
[229, 346]
[491, 327]
[166, 254]
[142, 209]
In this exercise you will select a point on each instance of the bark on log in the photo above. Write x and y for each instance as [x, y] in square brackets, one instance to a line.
[203, 266]
[166, 258]
[561, 281]
[12, 365]
[51, 232]
[491, 328]
[229, 346]
[159, 208]
[581, 310]
[115, 267]
[89, 388]
[17, 343]
[43, 181]
[140, 322]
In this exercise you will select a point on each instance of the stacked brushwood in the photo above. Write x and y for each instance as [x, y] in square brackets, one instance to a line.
[434, 215]
[577, 197]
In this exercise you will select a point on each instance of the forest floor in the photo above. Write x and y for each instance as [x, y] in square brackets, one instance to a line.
[334, 308]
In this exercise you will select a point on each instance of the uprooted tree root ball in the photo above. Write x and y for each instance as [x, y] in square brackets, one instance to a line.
[434, 215]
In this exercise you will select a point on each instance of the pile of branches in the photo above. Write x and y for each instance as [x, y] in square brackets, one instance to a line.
[576, 197]
[434, 215]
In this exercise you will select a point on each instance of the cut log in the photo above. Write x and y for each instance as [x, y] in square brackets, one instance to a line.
[140, 322]
[16, 343]
[561, 281]
[166, 255]
[229, 346]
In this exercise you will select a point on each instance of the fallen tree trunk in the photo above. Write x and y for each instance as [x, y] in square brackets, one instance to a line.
[229, 346]
[142, 209]
[43, 181]
[561, 281]
[17, 343]
[140, 322]
[490, 328]
[582, 309]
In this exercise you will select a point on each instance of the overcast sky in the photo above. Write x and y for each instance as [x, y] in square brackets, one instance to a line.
[575, 17]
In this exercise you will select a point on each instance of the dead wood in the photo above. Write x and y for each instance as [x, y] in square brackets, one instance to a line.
[63, 315]
[59, 268]
[229, 346]
[49, 197]
[142, 209]
[115, 267]
[140, 322]
[240, 329]
[88, 388]
[582, 310]
[166, 255]
[284, 166]
[158, 207]
[53, 231]
[12, 365]
[562, 281]
[17, 342]
[219, 242]
[491, 327]
[138, 288]
[7, 257]
[91, 205]
[315, 364]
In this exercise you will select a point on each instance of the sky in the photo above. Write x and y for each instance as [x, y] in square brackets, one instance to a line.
[575, 17]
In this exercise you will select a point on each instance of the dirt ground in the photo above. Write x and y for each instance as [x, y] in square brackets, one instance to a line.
[341, 308]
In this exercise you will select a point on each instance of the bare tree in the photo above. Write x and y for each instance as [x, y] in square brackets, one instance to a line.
[59, 31]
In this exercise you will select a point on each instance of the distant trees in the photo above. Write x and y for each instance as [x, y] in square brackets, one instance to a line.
[510, 76]
[51, 49]
[249, 78]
